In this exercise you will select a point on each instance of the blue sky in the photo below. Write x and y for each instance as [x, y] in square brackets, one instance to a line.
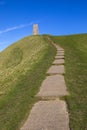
[56, 17]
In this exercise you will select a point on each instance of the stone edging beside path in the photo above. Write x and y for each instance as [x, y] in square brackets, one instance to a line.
[51, 112]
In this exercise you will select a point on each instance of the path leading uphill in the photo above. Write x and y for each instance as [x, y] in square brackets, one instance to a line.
[51, 113]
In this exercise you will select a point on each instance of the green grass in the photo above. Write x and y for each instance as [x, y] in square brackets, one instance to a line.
[23, 67]
[75, 47]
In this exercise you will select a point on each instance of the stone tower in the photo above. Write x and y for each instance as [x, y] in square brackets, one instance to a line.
[35, 29]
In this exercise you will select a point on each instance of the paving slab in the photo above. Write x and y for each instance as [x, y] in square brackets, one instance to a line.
[60, 49]
[48, 115]
[58, 62]
[56, 69]
[59, 57]
[55, 45]
[52, 87]
[60, 54]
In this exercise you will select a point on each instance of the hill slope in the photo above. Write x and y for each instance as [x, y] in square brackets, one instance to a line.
[19, 58]
[75, 47]
[22, 69]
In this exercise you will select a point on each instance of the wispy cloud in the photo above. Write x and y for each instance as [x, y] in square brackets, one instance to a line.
[15, 27]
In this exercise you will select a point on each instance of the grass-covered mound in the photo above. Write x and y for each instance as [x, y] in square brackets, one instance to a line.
[23, 67]
[76, 77]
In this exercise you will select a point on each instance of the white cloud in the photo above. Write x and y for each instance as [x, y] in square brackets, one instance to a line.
[15, 28]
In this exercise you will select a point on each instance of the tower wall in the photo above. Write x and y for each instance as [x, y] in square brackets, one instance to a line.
[35, 29]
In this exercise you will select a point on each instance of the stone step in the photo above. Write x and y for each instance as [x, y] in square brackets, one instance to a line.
[54, 69]
[53, 87]
[59, 57]
[58, 62]
[60, 49]
[60, 54]
[48, 115]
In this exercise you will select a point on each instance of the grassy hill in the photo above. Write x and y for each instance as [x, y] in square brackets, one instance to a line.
[23, 67]
[75, 47]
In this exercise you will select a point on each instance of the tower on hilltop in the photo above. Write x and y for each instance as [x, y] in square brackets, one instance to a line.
[35, 29]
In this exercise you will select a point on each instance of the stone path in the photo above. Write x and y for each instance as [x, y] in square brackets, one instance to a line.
[58, 62]
[48, 115]
[53, 86]
[51, 113]
[59, 57]
[56, 69]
